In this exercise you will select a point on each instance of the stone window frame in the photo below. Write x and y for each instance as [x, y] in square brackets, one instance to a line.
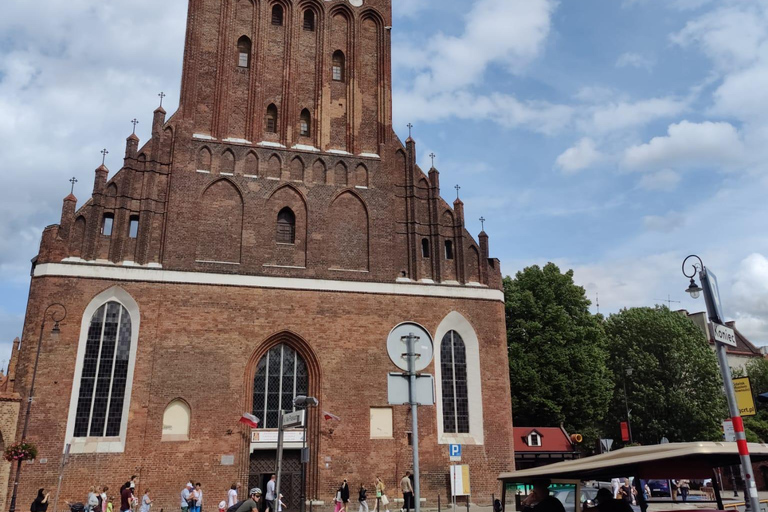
[114, 444]
[278, 15]
[244, 48]
[285, 232]
[107, 228]
[453, 352]
[270, 119]
[338, 65]
[455, 321]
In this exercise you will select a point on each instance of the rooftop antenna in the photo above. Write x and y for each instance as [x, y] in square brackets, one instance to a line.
[669, 301]
[597, 302]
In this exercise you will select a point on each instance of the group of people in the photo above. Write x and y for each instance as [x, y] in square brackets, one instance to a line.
[98, 500]
[406, 487]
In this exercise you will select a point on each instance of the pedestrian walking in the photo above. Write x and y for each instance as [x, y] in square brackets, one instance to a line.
[407, 489]
[362, 497]
[673, 489]
[232, 494]
[104, 500]
[40, 504]
[146, 501]
[186, 496]
[270, 497]
[252, 503]
[344, 495]
[381, 495]
[111, 504]
[338, 503]
[92, 501]
[197, 494]
[685, 487]
[126, 496]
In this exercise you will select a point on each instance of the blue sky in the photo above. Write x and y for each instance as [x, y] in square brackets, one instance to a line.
[613, 137]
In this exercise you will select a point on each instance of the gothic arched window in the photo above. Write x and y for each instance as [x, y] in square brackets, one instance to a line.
[271, 119]
[338, 66]
[280, 377]
[286, 226]
[305, 122]
[309, 20]
[453, 368]
[277, 15]
[105, 373]
[244, 52]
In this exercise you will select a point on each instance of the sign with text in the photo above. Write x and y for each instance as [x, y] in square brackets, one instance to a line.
[270, 436]
[744, 399]
[723, 334]
[294, 419]
[454, 451]
[460, 481]
[729, 433]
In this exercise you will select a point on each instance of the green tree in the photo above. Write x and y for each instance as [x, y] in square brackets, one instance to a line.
[756, 427]
[557, 353]
[675, 390]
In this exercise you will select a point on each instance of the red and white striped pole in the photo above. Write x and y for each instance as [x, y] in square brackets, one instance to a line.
[711, 296]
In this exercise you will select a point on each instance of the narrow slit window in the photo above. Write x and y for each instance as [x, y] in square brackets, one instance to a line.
[133, 227]
[286, 226]
[448, 250]
[107, 223]
[277, 15]
[271, 119]
[244, 52]
[425, 248]
[305, 122]
[309, 20]
[338, 66]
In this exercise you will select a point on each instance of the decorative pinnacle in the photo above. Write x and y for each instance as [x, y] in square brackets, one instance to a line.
[135, 122]
[432, 156]
[73, 181]
[162, 95]
[104, 154]
[410, 127]
[457, 187]
[482, 223]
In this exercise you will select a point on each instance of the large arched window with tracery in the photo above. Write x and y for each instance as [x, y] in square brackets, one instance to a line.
[453, 369]
[280, 377]
[105, 373]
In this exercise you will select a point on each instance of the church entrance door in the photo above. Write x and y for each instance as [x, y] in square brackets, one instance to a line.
[263, 466]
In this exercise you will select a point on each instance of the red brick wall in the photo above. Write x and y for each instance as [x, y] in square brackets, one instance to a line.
[200, 343]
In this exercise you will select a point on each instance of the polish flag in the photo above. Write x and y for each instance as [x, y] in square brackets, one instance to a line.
[250, 420]
[329, 416]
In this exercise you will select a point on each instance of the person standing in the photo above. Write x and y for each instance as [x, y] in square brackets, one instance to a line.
[615, 486]
[381, 495]
[673, 487]
[186, 495]
[362, 497]
[540, 500]
[232, 495]
[126, 495]
[270, 497]
[198, 493]
[407, 489]
[40, 504]
[344, 495]
[146, 501]
[685, 487]
[104, 500]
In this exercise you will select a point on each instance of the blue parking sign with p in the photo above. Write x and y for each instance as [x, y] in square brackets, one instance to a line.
[454, 450]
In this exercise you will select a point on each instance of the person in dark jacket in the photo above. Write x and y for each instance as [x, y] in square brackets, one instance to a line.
[41, 502]
[344, 490]
[362, 497]
[606, 503]
[540, 500]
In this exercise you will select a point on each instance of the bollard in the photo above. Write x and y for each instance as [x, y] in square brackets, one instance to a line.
[467, 502]
[493, 500]
[438, 503]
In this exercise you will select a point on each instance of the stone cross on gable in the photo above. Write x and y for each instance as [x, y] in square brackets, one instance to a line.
[457, 187]
[162, 95]
[73, 181]
[482, 223]
[104, 154]
[135, 122]
[410, 127]
[432, 156]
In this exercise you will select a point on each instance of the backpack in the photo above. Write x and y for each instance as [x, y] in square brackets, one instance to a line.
[236, 506]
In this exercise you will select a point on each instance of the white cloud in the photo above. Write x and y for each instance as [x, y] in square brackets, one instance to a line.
[686, 145]
[634, 60]
[750, 296]
[581, 156]
[664, 180]
[611, 117]
[744, 94]
[507, 32]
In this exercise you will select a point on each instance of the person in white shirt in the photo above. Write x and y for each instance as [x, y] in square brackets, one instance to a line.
[185, 495]
[198, 494]
[232, 495]
[270, 497]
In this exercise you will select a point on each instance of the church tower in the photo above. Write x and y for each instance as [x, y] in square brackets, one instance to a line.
[262, 245]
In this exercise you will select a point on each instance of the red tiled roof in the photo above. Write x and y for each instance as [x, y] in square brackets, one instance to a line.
[553, 440]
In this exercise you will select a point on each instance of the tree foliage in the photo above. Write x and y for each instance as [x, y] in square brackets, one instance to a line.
[557, 353]
[756, 427]
[675, 390]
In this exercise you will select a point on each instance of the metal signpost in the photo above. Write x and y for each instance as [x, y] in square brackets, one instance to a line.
[417, 356]
[715, 312]
[285, 420]
[454, 452]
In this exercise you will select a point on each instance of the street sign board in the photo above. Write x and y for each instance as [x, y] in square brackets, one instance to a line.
[744, 399]
[723, 334]
[423, 346]
[709, 279]
[729, 433]
[606, 444]
[454, 451]
[460, 481]
[398, 389]
[294, 419]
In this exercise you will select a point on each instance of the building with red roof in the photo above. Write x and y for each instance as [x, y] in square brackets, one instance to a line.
[539, 446]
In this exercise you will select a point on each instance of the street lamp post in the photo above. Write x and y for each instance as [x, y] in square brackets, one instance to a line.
[627, 373]
[304, 402]
[55, 334]
[714, 312]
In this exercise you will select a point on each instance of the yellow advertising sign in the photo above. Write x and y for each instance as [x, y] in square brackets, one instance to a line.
[744, 399]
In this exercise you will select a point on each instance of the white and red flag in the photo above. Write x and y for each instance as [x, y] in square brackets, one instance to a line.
[250, 420]
[329, 416]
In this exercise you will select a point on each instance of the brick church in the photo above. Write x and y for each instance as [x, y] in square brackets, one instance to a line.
[262, 244]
